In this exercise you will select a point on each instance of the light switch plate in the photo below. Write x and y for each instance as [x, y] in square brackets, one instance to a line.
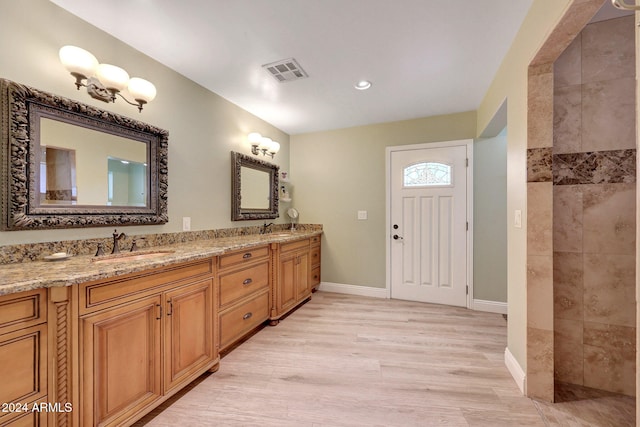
[362, 214]
[186, 223]
[517, 219]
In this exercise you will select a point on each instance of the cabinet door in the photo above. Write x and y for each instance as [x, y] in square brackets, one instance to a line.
[23, 365]
[302, 276]
[121, 361]
[287, 291]
[188, 342]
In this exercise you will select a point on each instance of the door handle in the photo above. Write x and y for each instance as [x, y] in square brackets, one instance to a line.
[396, 237]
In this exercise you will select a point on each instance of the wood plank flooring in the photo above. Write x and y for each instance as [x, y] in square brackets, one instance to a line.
[343, 360]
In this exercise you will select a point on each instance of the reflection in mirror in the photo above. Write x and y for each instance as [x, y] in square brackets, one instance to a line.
[126, 184]
[66, 164]
[97, 162]
[254, 188]
[255, 192]
[58, 176]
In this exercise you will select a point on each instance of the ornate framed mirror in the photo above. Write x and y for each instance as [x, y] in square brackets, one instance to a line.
[67, 164]
[254, 188]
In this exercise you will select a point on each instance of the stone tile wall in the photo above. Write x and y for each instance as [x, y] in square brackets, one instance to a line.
[594, 202]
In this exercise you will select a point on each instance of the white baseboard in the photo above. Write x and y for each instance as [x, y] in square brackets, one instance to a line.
[516, 371]
[364, 291]
[489, 306]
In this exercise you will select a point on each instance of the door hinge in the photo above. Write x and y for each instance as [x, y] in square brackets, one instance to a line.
[467, 161]
[467, 225]
[467, 289]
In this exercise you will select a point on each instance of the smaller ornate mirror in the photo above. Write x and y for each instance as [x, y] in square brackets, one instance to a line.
[254, 188]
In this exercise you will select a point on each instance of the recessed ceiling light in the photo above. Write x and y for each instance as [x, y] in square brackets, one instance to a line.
[362, 85]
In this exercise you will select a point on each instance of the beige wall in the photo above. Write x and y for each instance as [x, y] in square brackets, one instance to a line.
[203, 127]
[490, 218]
[510, 83]
[337, 173]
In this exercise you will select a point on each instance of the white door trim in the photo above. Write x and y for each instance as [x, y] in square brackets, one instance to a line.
[468, 143]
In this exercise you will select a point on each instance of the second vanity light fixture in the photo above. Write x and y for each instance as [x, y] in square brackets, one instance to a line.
[104, 81]
[262, 144]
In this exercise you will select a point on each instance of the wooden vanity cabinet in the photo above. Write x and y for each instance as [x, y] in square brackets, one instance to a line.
[293, 282]
[244, 293]
[143, 337]
[23, 358]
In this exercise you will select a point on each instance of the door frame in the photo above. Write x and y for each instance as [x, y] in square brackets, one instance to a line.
[468, 143]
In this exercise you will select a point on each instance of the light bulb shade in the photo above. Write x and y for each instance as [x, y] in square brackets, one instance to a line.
[78, 61]
[141, 89]
[112, 77]
[265, 143]
[274, 147]
[254, 138]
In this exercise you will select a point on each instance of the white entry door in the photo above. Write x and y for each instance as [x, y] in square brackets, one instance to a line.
[428, 213]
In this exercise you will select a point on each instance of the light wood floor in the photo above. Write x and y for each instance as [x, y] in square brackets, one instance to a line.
[344, 360]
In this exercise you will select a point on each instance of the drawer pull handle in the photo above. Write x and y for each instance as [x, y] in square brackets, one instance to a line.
[247, 281]
[247, 255]
[247, 316]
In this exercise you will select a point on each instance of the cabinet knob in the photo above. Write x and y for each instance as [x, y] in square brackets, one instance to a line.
[247, 255]
[247, 316]
[247, 281]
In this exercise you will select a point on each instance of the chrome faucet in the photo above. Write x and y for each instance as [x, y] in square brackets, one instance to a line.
[116, 237]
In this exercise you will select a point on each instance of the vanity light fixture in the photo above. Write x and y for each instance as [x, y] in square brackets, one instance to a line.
[363, 85]
[262, 144]
[104, 81]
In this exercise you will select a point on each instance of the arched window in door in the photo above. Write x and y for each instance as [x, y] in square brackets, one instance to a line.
[427, 174]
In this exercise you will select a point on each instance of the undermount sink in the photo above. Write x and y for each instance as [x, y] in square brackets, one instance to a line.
[286, 234]
[130, 256]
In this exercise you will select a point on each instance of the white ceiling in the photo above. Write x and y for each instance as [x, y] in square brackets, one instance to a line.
[424, 57]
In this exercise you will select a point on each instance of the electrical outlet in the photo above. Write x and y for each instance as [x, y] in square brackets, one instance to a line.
[517, 219]
[362, 214]
[186, 223]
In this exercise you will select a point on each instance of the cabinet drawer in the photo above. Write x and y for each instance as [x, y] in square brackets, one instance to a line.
[25, 419]
[291, 246]
[315, 255]
[22, 310]
[94, 294]
[242, 319]
[239, 284]
[238, 257]
[315, 240]
[315, 276]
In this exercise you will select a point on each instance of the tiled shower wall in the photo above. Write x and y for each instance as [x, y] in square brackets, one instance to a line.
[594, 181]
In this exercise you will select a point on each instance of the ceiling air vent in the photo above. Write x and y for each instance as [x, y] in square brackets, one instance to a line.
[286, 70]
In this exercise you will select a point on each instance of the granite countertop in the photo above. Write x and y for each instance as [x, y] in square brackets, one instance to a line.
[26, 276]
